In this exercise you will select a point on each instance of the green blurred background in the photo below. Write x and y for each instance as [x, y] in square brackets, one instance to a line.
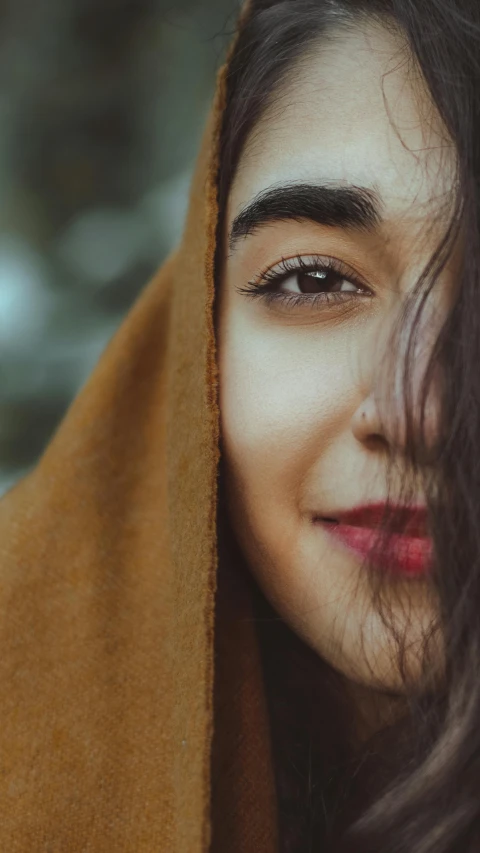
[102, 105]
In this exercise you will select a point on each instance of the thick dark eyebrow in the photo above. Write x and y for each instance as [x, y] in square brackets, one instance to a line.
[327, 204]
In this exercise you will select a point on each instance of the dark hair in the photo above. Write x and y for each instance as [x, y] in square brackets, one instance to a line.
[417, 787]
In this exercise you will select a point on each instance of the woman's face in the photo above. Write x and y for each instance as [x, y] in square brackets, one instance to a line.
[340, 198]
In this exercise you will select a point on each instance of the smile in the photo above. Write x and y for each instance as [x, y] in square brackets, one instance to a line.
[397, 543]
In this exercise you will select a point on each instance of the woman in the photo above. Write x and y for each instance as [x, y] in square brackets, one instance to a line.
[313, 688]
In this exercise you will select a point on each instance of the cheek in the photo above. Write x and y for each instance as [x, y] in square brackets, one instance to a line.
[268, 405]
[269, 431]
[286, 399]
[285, 393]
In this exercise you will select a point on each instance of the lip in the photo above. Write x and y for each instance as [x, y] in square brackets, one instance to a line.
[402, 546]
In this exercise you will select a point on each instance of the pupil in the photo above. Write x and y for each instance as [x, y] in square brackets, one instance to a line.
[315, 282]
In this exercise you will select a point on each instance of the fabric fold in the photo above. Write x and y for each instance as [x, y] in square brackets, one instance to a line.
[122, 665]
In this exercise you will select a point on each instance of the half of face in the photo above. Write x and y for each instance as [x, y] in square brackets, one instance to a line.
[339, 200]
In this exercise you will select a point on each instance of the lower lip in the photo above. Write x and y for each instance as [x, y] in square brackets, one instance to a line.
[408, 556]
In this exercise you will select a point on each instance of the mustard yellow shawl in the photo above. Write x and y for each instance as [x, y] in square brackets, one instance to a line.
[121, 730]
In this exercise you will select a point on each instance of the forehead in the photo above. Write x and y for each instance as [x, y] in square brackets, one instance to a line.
[354, 110]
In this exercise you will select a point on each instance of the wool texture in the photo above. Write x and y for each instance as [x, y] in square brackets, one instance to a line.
[132, 706]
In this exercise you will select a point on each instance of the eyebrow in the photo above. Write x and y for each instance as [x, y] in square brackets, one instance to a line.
[326, 204]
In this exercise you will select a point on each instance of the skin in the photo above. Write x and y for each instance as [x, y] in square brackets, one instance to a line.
[310, 404]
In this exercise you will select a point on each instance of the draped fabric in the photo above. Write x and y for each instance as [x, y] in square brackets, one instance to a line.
[132, 706]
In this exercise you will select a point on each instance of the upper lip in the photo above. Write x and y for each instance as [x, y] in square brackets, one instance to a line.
[394, 518]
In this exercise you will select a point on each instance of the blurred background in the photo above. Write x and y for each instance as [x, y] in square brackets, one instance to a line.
[102, 105]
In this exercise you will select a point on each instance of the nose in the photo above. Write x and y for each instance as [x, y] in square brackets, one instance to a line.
[398, 408]
[366, 423]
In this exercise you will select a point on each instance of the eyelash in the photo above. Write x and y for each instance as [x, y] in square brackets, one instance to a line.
[262, 285]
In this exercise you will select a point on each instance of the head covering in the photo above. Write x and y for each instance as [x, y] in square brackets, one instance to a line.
[132, 706]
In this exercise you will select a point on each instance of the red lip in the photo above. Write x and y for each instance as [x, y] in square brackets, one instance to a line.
[400, 537]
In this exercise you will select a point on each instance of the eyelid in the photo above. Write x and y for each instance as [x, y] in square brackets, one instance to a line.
[308, 263]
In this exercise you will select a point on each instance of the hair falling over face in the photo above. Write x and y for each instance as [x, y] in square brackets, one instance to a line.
[412, 785]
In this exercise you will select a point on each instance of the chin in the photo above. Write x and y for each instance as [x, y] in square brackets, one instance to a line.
[385, 645]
